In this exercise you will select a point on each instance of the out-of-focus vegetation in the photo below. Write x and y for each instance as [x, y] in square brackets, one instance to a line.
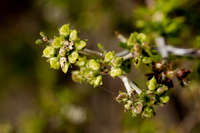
[37, 99]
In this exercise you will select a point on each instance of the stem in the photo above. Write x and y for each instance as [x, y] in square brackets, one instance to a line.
[130, 86]
[128, 56]
[166, 49]
[91, 53]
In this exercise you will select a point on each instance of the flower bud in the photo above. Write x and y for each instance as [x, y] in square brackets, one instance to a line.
[152, 84]
[64, 65]
[161, 89]
[76, 76]
[80, 45]
[141, 37]
[54, 63]
[73, 57]
[81, 61]
[122, 97]
[164, 99]
[62, 51]
[48, 52]
[147, 60]
[138, 108]
[57, 42]
[128, 105]
[109, 56]
[116, 62]
[97, 81]
[132, 39]
[73, 35]
[94, 65]
[148, 112]
[64, 30]
[158, 65]
[115, 72]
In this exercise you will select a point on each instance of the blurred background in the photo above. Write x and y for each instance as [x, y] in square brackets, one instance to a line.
[37, 99]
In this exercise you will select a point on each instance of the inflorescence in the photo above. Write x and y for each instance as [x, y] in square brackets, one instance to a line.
[67, 50]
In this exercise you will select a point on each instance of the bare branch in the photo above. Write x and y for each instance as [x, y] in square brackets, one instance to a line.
[166, 49]
[130, 86]
[91, 53]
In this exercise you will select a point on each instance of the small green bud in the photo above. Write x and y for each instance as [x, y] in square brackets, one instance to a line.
[48, 52]
[73, 35]
[137, 108]
[38, 41]
[148, 112]
[62, 51]
[65, 67]
[141, 37]
[94, 65]
[152, 84]
[109, 56]
[122, 97]
[161, 89]
[76, 76]
[132, 39]
[64, 64]
[81, 61]
[146, 60]
[80, 45]
[73, 57]
[116, 62]
[97, 81]
[64, 30]
[115, 72]
[54, 63]
[57, 42]
[89, 75]
[164, 99]
[128, 105]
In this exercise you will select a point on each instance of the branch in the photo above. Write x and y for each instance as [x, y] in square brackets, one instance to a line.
[164, 49]
[91, 53]
[130, 86]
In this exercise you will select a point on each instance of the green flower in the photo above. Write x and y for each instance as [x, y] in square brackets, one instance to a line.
[148, 112]
[73, 57]
[54, 63]
[64, 64]
[109, 56]
[73, 35]
[152, 84]
[164, 99]
[132, 39]
[48, 52]
[57, 42]
[94, 65]
[65, 30]
[161, 89]
[115, 72]
[97, 81]
[76, 76]
[141, 37]
[116, 62]
[81, 61]
[80, 45]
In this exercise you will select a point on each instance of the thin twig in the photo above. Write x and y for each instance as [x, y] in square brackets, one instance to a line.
[130, 86]
[128, 56]
[166, 49]
[91, 53]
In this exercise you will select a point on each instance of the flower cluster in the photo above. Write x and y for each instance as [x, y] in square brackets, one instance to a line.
[115, 62]
[143, 105]
[68, 50]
